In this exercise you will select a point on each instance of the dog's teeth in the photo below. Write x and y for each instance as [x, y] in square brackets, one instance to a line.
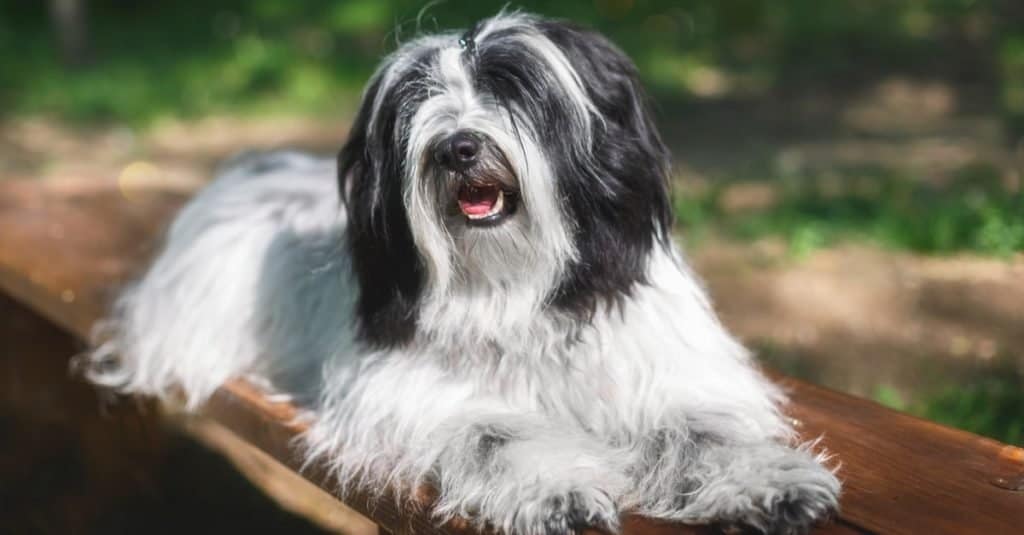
[496, 209]
[499, 204]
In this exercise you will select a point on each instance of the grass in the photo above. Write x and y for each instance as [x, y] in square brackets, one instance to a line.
[990, 403]
[975, 211]
[191, 57]
[183, 62]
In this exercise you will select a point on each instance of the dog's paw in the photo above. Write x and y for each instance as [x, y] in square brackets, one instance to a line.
[791, 511]
[771, 490]
[802, 508]
[568, 513]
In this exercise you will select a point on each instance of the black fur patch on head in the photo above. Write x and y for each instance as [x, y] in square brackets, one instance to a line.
[618, 223]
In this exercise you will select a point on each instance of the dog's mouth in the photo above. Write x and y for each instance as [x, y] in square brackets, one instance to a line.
[485, 203]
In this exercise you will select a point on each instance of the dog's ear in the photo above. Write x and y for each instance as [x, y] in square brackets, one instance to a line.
[360, 161]
[617, 192]
[627, 144]
[371, 164]
[384, 256]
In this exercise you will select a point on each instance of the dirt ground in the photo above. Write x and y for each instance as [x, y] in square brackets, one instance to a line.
[856, 317]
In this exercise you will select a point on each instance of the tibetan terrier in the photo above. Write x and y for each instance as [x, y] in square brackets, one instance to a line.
[481, 295]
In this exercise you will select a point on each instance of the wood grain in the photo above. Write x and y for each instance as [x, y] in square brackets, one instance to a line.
[906, 475]
[65, 247]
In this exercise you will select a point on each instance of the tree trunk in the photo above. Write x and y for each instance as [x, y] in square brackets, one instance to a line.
[71, 27]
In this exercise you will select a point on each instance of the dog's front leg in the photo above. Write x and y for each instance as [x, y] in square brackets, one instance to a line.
[404, 426]
[523, 475]
[706, 473]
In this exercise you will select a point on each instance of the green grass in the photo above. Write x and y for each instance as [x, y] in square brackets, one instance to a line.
[989, 403]
[993, 406]
[184, 62]
[191, 57]
[976, 211]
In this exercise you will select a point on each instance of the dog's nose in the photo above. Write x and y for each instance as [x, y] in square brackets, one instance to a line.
[465, 148]
[459, 152]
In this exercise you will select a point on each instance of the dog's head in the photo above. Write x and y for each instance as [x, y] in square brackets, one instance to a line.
[515, 159]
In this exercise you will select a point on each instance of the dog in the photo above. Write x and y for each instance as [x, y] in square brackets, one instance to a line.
[480, 295]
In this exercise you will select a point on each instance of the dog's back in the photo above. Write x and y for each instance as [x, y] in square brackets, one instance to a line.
[252, 276]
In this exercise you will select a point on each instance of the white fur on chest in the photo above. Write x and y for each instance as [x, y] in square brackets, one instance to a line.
[633, 367]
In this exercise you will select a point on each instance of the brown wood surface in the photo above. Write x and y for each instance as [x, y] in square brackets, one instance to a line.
[66, 246]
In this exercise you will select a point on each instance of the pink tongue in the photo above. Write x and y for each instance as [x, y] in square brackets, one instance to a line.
[475, 208]
[474, 201]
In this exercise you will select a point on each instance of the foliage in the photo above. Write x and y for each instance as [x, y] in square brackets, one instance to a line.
[987, 400]
[974, 211]
[193, 57]
[990, 403]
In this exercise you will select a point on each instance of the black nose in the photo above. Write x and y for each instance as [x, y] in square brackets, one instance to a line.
[459, 152]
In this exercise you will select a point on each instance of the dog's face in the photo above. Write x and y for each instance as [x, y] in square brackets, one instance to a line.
[515, 158]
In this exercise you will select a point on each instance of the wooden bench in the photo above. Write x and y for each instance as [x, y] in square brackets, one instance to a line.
[66, 246]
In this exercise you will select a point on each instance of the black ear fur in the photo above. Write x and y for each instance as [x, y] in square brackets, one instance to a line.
[385, 259]
[618, 224]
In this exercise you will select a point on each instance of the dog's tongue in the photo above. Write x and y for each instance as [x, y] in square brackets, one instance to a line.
[477, 200]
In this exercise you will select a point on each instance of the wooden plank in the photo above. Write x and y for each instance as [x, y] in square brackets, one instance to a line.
[268, 424]
[71, 460]
[291, 491]
[906, 475]
[65, 246]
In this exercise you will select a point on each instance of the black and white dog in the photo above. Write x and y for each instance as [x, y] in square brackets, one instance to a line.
[495, 308]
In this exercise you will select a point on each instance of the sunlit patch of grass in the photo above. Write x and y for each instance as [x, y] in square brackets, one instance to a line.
[974, 211]
[890, 397]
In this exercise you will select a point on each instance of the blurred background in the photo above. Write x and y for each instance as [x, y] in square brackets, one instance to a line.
[847, 173]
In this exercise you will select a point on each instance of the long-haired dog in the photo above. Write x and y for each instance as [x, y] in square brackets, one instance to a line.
[495, 308]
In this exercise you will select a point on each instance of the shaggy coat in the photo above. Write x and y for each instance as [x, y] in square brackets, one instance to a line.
[546, 367]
